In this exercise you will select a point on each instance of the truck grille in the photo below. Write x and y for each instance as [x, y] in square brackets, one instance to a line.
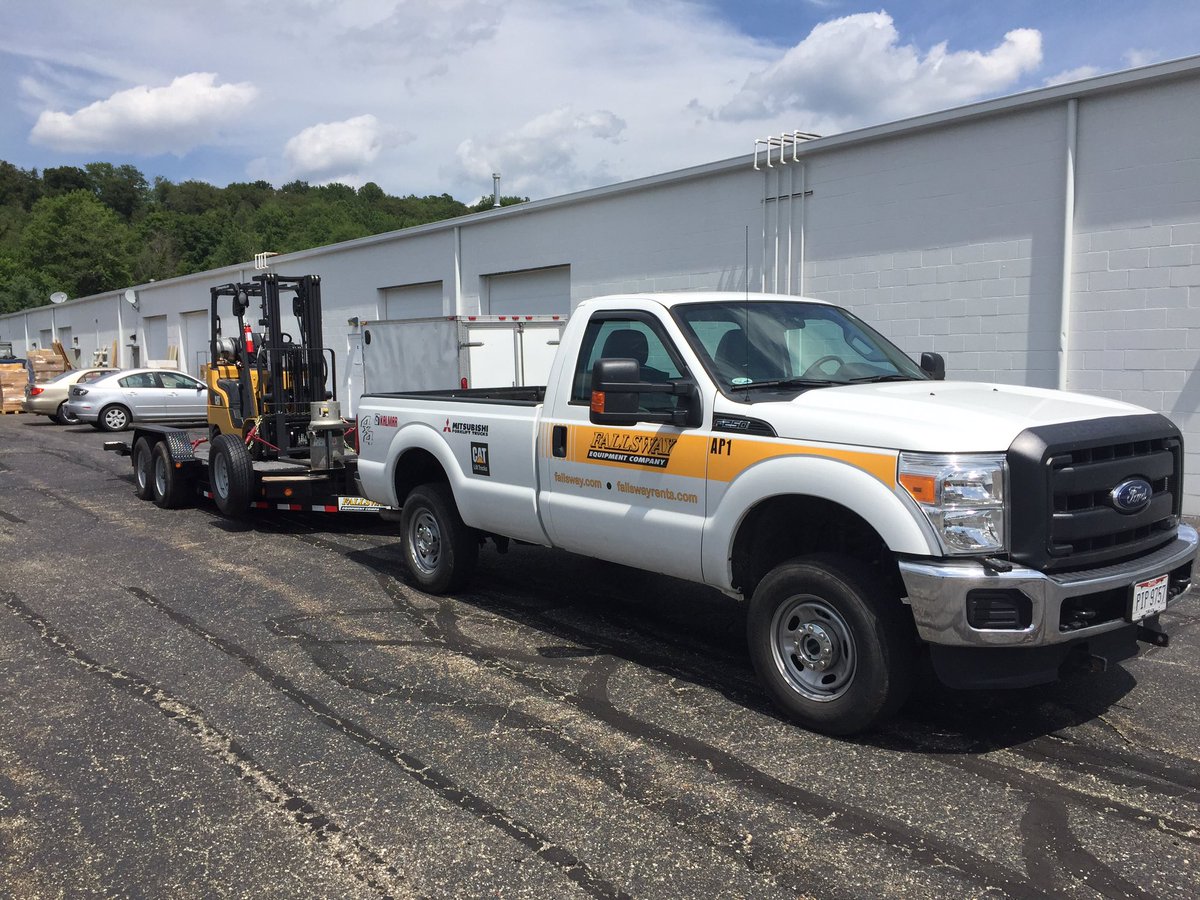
[1063, 483]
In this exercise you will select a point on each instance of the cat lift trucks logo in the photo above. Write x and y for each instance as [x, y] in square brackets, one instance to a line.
[479, 459]
[650, 450]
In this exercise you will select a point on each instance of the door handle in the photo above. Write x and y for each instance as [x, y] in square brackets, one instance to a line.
[558, 443]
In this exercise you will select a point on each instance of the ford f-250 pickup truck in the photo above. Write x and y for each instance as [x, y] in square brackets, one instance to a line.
[780, 449]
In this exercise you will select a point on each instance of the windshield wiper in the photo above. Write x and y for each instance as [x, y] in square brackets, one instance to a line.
[874, 379]
[784, 382]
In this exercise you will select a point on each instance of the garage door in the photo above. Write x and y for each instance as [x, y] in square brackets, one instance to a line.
[195, 352]
[156, 337]
[413, 301]
[532, 292]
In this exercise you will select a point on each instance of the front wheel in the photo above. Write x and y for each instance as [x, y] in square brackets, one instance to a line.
[831, 645]
[440, 551]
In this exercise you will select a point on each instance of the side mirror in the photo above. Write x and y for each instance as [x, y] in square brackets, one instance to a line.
[616, 390]
[934, 365]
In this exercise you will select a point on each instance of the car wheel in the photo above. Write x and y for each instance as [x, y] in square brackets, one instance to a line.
[172, 487]
[230, 475]
[833, 648]
[143, 469]
[113, 418]
[440, 551]
[63, 416]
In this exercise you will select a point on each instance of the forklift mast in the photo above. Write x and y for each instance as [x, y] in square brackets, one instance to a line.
[262, 381]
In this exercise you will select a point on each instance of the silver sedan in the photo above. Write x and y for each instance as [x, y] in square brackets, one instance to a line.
[115, 401]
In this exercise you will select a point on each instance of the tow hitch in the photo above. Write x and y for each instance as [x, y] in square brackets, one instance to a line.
[1149, 633]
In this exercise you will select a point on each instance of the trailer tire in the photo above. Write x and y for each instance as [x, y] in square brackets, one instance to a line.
[833, 648]
[440, 551]
[143, 469]
[230, 475]
[171, 485]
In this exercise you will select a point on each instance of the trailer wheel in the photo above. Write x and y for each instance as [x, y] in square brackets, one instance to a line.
[440, 551]
[171, 485]
[143, 469]
[230, 475]
[832, 647]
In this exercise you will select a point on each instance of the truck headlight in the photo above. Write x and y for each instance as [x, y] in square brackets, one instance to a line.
[963, 496]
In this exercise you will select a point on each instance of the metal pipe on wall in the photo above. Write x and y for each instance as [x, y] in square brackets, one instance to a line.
[1068, 246]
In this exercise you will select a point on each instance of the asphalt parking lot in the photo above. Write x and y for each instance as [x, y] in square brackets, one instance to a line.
[191, 707]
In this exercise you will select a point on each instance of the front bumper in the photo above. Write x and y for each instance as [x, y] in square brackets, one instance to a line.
[938, 590]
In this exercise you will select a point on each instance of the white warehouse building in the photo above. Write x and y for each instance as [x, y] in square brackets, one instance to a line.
[1050, 238]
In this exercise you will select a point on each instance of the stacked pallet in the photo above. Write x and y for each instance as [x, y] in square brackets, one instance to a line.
[13, 378]
[46, 364]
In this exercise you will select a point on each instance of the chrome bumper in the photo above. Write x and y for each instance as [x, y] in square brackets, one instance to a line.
[937, 593]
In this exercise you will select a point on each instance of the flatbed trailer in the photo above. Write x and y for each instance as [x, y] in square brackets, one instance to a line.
[173, 465]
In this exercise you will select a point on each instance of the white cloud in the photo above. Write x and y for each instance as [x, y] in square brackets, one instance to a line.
[542, 152]
[1135, 58]
[854, 70]
[172, 119]
[1073, 75]
[338, 151]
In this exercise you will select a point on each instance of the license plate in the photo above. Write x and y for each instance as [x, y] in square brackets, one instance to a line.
[1149, 598]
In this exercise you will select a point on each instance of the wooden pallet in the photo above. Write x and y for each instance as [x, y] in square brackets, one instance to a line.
[10, 412]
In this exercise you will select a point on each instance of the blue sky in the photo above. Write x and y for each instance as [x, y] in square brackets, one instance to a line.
[431, 96]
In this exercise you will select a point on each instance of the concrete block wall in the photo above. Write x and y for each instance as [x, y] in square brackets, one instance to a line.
[1135, 317]
[946, 241]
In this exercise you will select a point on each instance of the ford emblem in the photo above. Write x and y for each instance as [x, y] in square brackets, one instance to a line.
[1132, 496]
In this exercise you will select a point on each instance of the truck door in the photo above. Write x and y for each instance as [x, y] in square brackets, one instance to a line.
[631, 494]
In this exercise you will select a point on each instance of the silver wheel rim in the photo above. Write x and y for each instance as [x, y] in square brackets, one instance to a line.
[425, 541]
[66, 417]
[220, 475]
[813, 647]
[114, 419]
[160, 476]
[143, 469]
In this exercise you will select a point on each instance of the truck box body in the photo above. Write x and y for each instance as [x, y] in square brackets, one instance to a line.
[443, 353]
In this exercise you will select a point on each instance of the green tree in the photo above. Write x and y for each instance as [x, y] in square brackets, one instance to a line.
[79, 244]
[59, 180]
[18, 187]
[21, 287]
[123, 189]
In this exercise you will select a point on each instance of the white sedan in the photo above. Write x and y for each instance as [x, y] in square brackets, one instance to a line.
[113, 402]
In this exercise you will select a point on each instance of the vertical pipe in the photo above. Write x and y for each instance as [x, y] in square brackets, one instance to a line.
[1068, 245]
[803, 218]
[778, 223]
[458, 310]
[120, 334]
[790, 220]
[763, 273]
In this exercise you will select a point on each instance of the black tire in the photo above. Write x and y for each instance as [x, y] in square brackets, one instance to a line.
[230, 475]
[62, 417]
[172, 488]
[143, 469]
[833, 648]
[113, 418]
[440, 551]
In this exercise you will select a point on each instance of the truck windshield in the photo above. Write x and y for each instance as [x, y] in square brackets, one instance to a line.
[778, 344]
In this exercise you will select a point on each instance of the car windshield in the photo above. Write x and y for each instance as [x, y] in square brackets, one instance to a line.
[785, 345]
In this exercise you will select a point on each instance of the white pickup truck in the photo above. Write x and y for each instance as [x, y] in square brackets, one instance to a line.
[780, 449]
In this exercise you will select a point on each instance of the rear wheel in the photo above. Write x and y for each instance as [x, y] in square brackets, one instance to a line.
[440, 551]
[113, 418]
[63, 416]
[143, 469]
[832, 646]
[230, 475]
[171, 486]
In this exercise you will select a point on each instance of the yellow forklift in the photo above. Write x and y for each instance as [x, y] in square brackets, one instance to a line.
[276, 438]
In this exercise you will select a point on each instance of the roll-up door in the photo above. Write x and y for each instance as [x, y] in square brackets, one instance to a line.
[413, 301]
[532, 292]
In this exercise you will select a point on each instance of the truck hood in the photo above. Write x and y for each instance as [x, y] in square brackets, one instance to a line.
[930, 416]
